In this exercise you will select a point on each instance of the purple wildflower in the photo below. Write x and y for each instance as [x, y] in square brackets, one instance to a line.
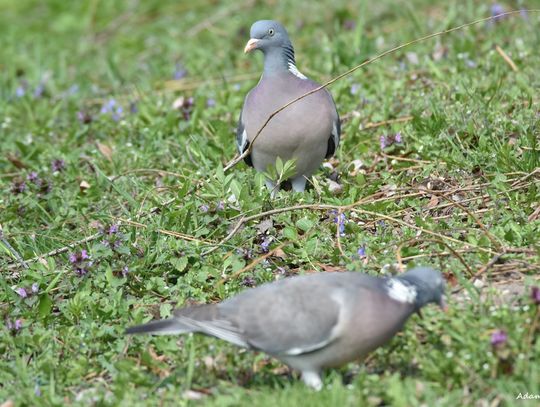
[58, 165]
[389, 139]
[125, 271]
[220, 206]
[265, 245]
[40, 89]
[470, 63]
[535, 295]
[340, 219]
[80, 263]
[84, 117]
[355, 88]
[73, 89]
[20, 91]
[113, 229]
[18, 187]
[179, 71]
[33, 177]
[37, 390]
[111, 107]
[498, 338]
[361, 251]
[383, 143]
[204, 208]
[210, 102]
[349, 24]
[496, 10]
[35, 288]
[18, 324]
[22, 292]
[248, 281]
[133, 108]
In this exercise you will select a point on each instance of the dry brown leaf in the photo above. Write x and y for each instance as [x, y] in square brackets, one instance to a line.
[105, 150]
[279, 253]
[13, 159]
[434, 201]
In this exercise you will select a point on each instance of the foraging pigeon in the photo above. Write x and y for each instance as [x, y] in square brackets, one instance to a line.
[307, 131]
[313, 321]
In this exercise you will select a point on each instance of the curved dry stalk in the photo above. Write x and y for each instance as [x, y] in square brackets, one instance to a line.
[439, 241]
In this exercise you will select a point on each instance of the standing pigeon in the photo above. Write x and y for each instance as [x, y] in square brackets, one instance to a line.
[308, 131]
[313, 321]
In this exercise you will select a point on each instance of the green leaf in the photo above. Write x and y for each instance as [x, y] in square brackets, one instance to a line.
[45, 305]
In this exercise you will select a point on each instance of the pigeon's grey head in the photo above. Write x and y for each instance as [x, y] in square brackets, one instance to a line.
[266, 35]
[429, 284]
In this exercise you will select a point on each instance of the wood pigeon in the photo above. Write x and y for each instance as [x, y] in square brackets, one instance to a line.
[308, 131]
[313, 321]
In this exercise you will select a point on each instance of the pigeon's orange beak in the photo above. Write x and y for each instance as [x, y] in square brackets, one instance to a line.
[251, 45]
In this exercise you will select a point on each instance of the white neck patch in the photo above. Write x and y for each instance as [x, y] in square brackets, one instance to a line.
[401, 292]
[294, 70]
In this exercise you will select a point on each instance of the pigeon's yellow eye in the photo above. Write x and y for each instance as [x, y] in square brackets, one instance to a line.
[271, 31]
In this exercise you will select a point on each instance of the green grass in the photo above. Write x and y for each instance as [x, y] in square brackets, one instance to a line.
[460, 190]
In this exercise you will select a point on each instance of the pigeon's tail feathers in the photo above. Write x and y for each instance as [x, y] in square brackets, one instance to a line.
[170, 326]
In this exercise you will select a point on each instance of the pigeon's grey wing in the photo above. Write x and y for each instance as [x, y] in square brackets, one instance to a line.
[286, 319]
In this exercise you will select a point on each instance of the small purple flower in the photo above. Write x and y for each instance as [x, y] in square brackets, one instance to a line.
[125, 271]
[265, 245]
[73, 89]
[18, 187]
[220, 206]
[210, 102]
[349, 24]
[179, 71]
[20, 91]
[22, 292]
[340, 219]
[133, 108]
[249, 281]
[58, 165]
[80, 262]
[383, 142]
[35, 288]
[113, 229]
[108, 106]
[535, 295]
[84, 117]
[40, 89]
[33, 177]
[37, 390]
[361, 251]
[470, 63]
[498, 338]
[397, 137]
[496, 10]
[355, 88]
[18, 324]
[204, 208]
